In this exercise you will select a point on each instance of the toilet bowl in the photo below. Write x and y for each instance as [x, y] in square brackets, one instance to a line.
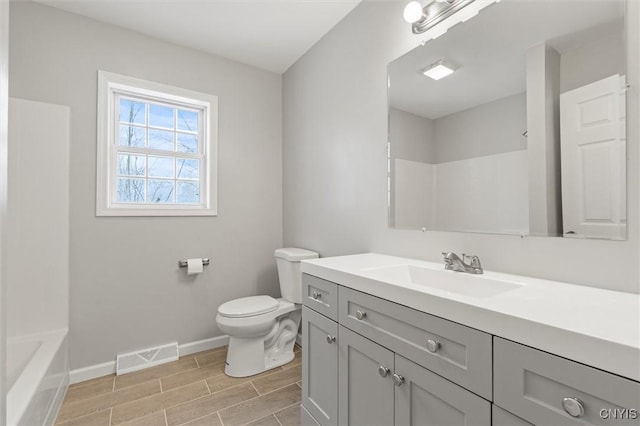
[262, 330]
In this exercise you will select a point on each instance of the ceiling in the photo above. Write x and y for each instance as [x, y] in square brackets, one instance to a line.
[490, 52]
[268, 34]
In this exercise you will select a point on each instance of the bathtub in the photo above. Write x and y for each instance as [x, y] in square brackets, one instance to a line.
[37, 377]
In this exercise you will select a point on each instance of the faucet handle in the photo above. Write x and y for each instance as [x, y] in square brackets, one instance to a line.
[448, 263]
[474, 261]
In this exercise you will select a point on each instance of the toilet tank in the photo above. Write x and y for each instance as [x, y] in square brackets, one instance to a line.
[288, 262]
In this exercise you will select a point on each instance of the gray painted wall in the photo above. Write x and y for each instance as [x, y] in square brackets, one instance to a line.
[126, 290]
[591, 62]
[335, 163]
[492, 128]
[411, 137]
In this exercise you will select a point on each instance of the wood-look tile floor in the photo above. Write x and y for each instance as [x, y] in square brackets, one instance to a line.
[192, 391]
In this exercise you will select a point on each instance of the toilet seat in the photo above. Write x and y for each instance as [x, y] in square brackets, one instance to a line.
[248, 307]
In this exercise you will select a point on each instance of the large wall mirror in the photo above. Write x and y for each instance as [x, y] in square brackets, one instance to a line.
[526, 136]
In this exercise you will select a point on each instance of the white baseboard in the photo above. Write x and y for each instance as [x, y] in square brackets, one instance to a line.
[202, 345]
[92, 372]
[106, 368]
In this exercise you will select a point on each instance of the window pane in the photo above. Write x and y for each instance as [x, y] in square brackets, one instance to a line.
[188, 193]
[132, 136]
[161, 167]
[161, 116]
[160, 191]
[161, 139]
[187, 120]
[130, 190]
[131, 111]
[131, 164]
[187, 143]
[188, 169]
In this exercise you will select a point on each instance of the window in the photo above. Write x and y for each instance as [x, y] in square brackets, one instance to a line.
[156, 149]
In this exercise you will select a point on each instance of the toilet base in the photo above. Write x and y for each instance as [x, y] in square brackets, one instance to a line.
[242, 362]
[250, 356]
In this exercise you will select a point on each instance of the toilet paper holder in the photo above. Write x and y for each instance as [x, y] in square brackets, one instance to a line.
[183, 263]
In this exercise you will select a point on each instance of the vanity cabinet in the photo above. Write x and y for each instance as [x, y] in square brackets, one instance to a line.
[370, 361]
[361, 369]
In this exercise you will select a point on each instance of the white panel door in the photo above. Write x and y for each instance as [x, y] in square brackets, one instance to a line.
[592, 123]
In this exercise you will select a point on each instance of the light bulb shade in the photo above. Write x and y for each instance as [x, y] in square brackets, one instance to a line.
[413, 12]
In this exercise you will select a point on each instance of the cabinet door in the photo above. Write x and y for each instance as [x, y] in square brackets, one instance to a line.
[365, 389]
[320, 367]
[427, 399]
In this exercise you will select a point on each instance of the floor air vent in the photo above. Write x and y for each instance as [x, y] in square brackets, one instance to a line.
[134, 361]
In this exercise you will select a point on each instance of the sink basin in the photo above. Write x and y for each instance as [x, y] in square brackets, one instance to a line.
[449, 281]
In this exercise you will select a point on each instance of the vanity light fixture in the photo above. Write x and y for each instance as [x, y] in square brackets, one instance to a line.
[424, 17]
[439, 69]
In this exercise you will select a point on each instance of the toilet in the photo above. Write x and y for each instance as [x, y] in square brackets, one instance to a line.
[262, 330]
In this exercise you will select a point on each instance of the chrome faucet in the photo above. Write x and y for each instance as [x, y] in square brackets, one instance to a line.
[453, 262]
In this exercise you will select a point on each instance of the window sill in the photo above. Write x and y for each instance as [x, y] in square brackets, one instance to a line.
[158, 211]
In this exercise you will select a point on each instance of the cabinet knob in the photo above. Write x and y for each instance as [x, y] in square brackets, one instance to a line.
[330, 339]
[361, 315]
[398, 380]
[433, 346]
[573, 406]
[317, 295]
[383, 371]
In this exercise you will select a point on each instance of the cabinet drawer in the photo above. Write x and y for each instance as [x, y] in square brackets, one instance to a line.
[320, 295]
[533, 384]
[458, 353]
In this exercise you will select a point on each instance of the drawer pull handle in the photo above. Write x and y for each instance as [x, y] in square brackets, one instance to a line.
[317, 295]
[573, 406]
[330, 339]
[433, 346]
[398, 380]
[361, 315]
[383, 371]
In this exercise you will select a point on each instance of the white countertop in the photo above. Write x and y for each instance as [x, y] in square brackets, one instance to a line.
[597, 327]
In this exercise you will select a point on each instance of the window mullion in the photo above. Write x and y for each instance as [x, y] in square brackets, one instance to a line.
[157, 152]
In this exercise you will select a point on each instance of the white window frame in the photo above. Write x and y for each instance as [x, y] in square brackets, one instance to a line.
[110, 87]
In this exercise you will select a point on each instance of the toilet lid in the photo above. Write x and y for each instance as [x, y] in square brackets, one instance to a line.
[248, 306]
